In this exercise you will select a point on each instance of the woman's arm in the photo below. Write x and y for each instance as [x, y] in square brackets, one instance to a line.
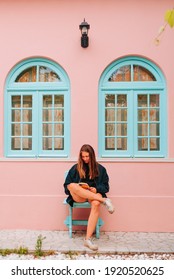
[72, 177]
[102, 182]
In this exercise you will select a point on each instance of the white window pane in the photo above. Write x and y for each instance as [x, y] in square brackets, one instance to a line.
[16, 115]
[154, 100]
[47, 101]
[16, 130]
[46, 74]
[58, 129]
[58, 143]
[143, 144]
[59, 115]
[27, 130]
[142, 74]
[47, 115]
[154, 129]
[47, 129]
[27, 115]
[47, 143]
[58, 101]
[121, 115]
[154, 115]
[142, 129]
[28, 75]
[110, 143]
[16, 101]
[27, 101]
[122, 144]
[142, 100]
[16, 143]
[154, 144]
[122, 100]
[26, 144]
[123, 74]
[110, 129]
[122, 129]
[110, 100]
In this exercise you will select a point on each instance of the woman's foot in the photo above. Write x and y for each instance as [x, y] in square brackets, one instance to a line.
[88, 243]
[109, 205]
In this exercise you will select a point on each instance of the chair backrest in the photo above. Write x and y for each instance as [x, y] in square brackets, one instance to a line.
[66, 173]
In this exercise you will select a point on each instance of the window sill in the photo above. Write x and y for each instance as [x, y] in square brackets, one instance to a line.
[100, 160]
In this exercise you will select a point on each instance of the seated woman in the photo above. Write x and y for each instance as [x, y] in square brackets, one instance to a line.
[89, 171]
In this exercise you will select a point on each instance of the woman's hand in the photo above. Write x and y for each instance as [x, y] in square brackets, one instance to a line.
[93, 190]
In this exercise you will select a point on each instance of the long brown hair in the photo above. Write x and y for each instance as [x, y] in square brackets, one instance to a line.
[93, 165]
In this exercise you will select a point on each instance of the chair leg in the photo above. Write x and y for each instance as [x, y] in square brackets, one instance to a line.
[97, 229]
[70, 221]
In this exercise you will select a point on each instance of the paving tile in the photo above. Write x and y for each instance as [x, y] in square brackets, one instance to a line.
[109, 242]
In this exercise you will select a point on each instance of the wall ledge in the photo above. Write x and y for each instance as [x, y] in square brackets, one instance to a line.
[100, 160]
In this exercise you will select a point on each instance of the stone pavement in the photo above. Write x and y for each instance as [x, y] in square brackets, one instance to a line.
[109, 242]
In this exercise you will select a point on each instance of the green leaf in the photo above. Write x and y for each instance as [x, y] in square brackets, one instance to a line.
[169, 17]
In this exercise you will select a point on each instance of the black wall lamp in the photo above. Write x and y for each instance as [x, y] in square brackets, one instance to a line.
[84, 27]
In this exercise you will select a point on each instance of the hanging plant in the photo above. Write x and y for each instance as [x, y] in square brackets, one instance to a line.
[169, 19]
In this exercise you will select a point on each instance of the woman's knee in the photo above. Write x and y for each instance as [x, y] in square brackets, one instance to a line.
[72, 187]
[95, 204]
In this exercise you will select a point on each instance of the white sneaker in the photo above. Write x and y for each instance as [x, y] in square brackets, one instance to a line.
[109, 205]
[88, 243]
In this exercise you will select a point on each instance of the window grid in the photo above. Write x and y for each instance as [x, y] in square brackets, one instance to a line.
[131, 73]
[21, 128]
[37, 73]
[146, 125]
[53, 124]
[24, 132]
[116, 122]
[149, 139]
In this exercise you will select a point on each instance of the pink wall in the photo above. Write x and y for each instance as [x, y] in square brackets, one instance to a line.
[143, 199]
[141, 189]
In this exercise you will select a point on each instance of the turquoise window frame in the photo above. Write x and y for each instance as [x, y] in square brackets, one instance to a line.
[132, 89]
[37, 90]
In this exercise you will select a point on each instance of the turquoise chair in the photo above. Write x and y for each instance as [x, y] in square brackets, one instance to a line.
[69, 221]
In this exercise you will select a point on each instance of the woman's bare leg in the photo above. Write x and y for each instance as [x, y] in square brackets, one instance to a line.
[93, 217]
[80, 195]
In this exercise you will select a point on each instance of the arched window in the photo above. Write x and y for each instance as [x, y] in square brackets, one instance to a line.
[132, 110]
[37, 110]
